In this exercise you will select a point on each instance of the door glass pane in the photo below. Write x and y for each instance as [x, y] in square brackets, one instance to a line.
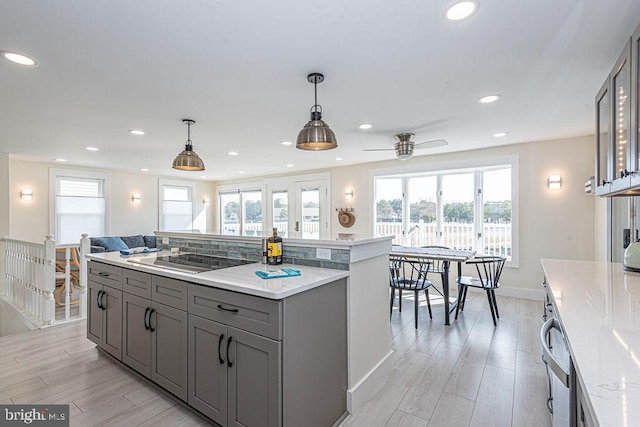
[457, 194]
[230, 214]
[422, 211]
[310, 213]
[389, 208]
[496, 226]
[603, 138]
[252, 213]
[280, 206]
[621, 82]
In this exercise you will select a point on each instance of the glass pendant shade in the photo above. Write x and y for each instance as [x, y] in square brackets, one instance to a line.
[316, 134]
[188, 160]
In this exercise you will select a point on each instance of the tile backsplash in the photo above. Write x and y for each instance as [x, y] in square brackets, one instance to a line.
[297, 255]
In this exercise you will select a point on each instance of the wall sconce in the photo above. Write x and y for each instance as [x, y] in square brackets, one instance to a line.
[554, 182]
[135, 198]
[205, 201]
[348, 194]
[26, 194]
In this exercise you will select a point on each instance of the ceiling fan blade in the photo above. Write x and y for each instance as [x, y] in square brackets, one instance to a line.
[378, 149]
[431, 144]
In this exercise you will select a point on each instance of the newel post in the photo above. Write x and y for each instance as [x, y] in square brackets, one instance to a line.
[49, 279]
[85, 248]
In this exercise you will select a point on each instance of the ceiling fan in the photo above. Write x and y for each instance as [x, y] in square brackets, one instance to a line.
[404, 145]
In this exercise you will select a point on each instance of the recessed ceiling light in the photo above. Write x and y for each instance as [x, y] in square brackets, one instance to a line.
[500, 134]
[232, 153]
[459, 10]
[144, 170]
[240, 171]
[488, 99]
[339, 158]
[92, 148]
[18, 58]
[365, 126]
[61, 160]
[286, 143]
[136, 132]
[289, 165]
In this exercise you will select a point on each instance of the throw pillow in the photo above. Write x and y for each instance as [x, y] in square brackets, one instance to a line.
[133, 241]
[111, 243]
[150, 241]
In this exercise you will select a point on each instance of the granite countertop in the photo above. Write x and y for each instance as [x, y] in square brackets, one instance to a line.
[239, 279]
[599, 307]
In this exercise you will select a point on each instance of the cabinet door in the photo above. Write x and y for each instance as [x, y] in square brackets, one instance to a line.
[94, 313]
[136, 341]
[635, 101]
[621, 103]
[604, 166]
[208, 368]
[169, 348]
[254, 374]
[112, 322]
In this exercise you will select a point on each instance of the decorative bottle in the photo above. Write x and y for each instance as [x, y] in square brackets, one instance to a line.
[274, 249]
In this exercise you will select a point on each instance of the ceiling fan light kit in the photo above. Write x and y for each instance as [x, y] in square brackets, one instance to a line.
[404, 145]
[316, 134]
[188, 160]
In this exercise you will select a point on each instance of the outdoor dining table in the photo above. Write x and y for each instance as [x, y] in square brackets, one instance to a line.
[446, 256]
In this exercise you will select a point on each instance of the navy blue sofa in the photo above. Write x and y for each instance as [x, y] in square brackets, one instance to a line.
[119, 243]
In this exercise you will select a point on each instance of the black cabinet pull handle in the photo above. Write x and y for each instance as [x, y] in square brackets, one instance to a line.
[103, 274]
[153, 310]
[220, 349]
[229, 363]
[233, 310]
[104, 307]
[98, 299]
[146, 325]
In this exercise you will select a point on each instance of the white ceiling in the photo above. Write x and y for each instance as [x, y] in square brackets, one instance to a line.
[238, 68]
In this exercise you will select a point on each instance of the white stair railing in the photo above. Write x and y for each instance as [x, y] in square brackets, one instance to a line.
[30, 281]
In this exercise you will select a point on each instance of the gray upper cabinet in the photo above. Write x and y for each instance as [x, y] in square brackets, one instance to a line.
[623, 161]
[635, 103]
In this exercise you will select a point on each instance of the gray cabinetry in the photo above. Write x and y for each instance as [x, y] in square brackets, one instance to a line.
[273, 366]
[155, 342]
[104, 314]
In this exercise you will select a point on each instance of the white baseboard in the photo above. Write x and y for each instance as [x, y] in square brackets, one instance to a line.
[368, 386]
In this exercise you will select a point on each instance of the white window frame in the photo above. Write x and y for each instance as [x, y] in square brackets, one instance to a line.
[55, 173]
[457, 167]
[238, 189]
[175, 183]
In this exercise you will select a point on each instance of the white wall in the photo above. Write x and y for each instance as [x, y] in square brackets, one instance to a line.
[553, 223]
[29, 220]
[4, 212]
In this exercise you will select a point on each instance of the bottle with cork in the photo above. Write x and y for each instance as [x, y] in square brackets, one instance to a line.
[274, 248]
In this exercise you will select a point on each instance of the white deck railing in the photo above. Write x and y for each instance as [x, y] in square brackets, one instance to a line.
[30, 281]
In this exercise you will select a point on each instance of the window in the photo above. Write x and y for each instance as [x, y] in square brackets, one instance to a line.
[176, 205]
[280, 212]
[462, 209]
[241, 212]
[79, 206]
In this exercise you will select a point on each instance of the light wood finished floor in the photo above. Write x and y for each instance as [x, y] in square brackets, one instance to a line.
[468, 374]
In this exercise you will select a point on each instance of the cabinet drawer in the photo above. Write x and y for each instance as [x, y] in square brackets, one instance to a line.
[171, 292]
[136, 283]
[253, 314]
[104, 274]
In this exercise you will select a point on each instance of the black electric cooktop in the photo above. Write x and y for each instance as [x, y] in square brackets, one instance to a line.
[192, 263]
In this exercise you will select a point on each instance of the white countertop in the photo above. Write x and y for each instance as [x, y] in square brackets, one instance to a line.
[599, 307]
[239, 279]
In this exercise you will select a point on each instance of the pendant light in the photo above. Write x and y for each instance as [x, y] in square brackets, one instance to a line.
[316, 134]
[188, 160]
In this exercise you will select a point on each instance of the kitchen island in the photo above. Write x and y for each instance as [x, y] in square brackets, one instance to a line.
[240, 349]
[598, 306]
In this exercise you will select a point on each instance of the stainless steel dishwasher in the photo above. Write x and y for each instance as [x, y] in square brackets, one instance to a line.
[561, 375]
